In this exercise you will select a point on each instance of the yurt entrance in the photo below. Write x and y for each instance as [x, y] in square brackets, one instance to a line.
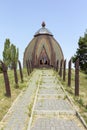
[43, 58]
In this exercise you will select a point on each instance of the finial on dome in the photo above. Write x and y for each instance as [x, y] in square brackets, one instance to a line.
[43, 24]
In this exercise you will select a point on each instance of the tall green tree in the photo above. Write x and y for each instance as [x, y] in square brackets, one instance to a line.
[10, 54]
[81, 53]
[14, 55]
[6, 53]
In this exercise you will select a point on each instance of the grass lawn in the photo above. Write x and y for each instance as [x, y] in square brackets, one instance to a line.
[6, 102]
[81, 101]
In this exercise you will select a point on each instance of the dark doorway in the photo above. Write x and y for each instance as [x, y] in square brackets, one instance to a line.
[43, 61]
[40, 62]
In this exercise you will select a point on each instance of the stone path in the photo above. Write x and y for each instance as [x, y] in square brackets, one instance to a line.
[52, 110]
[42, 106]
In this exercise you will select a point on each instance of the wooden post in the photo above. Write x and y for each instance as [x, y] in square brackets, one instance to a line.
[54, 66]
[64, 71]
[27, 67]
[60, 72]
[69, 73]
[58, 66]
[6, 79]
[15, 75]
[29, 63]
[77, 77]
[20, 69]
[31, 66]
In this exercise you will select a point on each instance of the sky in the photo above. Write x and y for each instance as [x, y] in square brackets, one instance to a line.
[20, 19]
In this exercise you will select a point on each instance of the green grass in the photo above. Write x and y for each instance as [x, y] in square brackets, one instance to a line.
[81, 100]
[5, 102]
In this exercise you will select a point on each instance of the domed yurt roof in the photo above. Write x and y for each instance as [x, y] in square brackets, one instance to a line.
[43, 49]
[43, 30]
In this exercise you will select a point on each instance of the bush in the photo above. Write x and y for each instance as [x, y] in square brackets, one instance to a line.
[80, 101]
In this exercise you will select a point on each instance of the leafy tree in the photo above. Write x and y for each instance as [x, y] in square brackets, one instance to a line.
[10, 54]
[81, 53]
[6, 53]
[14, 55]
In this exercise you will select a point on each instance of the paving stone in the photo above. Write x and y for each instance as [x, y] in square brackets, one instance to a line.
[53, 104]
[50, 91]
[47, 85]
[47, 91]
[54, 124]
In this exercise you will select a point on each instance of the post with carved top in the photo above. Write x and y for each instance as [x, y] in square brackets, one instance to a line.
[77, 77]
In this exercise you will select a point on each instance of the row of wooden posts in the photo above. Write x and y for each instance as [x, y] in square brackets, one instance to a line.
[6, 78]
[29, 66]
[61, 69]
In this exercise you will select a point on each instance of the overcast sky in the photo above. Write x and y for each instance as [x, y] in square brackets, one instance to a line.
[20, 19]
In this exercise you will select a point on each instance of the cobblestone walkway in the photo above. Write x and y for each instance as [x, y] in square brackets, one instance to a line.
[46, 103]
[52, 110]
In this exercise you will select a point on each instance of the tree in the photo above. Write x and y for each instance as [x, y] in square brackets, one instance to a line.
[10, 54]
[6, 53]
[81, 53]
[14, 55]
